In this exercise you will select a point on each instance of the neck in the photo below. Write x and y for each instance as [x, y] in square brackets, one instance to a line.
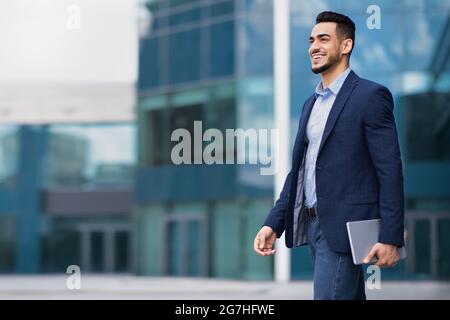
[332, 73]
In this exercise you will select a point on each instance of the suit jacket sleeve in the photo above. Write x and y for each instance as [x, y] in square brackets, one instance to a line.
[277, 216]
[382, 140]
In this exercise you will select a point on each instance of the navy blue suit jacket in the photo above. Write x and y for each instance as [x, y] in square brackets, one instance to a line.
[358, 169]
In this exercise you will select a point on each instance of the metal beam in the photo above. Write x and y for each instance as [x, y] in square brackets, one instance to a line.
[282, 119]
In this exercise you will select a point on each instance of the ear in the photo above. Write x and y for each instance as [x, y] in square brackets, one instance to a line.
[347, 46]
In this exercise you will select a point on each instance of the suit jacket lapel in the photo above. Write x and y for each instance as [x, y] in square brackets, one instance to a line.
[307, 113]
[338, 105]
[300, 139]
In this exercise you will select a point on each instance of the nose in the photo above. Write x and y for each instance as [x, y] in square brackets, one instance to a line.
[313, 48]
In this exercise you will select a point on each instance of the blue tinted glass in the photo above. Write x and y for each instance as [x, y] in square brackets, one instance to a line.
[100, 155]
[184, 17]
[423, 39]
[258, 6]
[195, 245]
[378, 51]
[258, 52]
[176, 3]
[222, 49]
[362, 6]
[300, 31]
[149, 64]
[9, 153]
[158, 22]
[175, 249]
[222, 8]
[184, 56]
[154, 5]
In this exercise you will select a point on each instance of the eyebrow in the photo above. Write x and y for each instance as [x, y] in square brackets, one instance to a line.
[320, 35]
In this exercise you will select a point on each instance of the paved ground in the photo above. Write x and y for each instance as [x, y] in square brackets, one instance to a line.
[132, 287]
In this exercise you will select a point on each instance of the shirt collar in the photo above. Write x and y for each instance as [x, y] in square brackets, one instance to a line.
[335, 86]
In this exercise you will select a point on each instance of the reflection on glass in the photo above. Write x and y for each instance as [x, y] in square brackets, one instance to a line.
[427, 126]
[90, 155]
[60, 248]
[184, 17]
[258, 36]
[7, 243]
[9, 154]
[214, 106]
[222, 8]
[222, 58]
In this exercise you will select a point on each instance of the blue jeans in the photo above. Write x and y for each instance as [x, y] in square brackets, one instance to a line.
[335, 275]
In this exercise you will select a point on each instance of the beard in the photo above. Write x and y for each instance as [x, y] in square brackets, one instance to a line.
[331, 62]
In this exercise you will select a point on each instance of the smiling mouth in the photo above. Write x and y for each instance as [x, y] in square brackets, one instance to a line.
[317, 57]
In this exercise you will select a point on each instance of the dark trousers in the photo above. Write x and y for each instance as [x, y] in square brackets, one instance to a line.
[335, 275]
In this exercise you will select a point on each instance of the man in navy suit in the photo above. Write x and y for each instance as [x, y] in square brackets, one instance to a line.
[346, 166]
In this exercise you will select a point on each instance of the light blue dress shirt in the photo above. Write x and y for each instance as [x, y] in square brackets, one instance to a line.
[314, 131]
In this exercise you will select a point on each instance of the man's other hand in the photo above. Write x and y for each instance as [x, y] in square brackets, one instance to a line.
[387, 255]
[264, 240]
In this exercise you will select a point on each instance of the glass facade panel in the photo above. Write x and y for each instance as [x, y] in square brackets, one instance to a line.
[258, 6]
[222, 8]
[158, 22]
[428, 128]
[214, 106]
[61, 248]
[7, 243]
[422, 37]
[98, 156]
[150, 65]
[176, 3]
[222, 55]
[175, 245]
[188, 43]
[9, 154]
[184, 56]
[257, 34]
[97, 252]
[184, 17]
[122, 251]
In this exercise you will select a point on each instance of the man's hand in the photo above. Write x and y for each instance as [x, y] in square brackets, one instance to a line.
[264, 240]
[387, 255]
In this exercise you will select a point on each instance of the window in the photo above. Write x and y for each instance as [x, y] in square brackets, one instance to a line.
[184, 17]
[9, 154]
[162, 123]
[184, 56]
[149, 63]
[7, 243]
[427, 126]
[101, 155]
[222, 49]
[222, 8]
[215, 106]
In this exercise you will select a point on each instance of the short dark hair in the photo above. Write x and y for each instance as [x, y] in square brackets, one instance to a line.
[345, 26]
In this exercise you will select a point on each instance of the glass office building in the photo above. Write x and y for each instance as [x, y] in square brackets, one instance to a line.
[212, 61]
[67, 136]
[66, 197]
[209, 61]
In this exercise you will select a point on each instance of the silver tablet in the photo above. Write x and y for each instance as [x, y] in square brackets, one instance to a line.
[363, 235]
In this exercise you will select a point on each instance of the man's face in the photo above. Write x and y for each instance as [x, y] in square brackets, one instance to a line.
[324, 49]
